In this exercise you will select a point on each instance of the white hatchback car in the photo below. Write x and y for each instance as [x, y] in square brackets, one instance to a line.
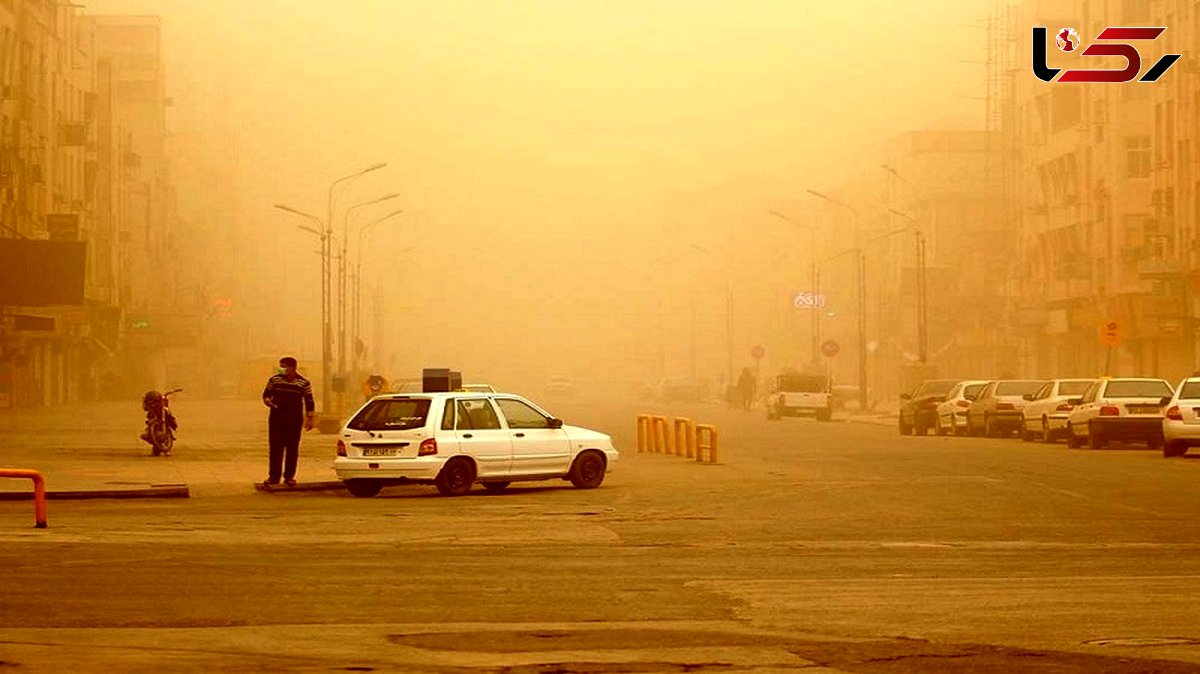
[1121, 408]
[952, 412]
[1045, 415]
[453, 440]
[1181, 426]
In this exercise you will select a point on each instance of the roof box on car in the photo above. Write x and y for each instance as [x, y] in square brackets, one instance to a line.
[440, 380]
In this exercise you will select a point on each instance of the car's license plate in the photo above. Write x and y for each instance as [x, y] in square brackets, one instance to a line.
[379, 451]
[1144, 409]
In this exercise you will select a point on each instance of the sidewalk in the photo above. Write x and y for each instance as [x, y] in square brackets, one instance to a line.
[221, 449]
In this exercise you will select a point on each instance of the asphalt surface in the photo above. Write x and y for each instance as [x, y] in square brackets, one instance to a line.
[818, 546]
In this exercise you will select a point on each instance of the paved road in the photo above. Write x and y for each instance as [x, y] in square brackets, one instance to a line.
[838, 547]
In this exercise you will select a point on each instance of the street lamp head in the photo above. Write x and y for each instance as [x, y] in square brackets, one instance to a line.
[284, 207]
[819, 195]
[779, 215]
[374, 167]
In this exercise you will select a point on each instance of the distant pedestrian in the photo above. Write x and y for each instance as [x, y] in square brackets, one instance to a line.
[290, 398]
[745, 386]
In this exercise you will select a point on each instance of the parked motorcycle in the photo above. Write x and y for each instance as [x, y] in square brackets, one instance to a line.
[160, 422]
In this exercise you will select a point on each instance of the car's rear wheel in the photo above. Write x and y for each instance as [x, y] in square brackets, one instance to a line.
[941, 430]
[588, 470]
[971, 429]
[495, 487]
[905, 429]
[1173, 449]
[824, 414]
[1026, 434]
[456, 477]
[363, 488]
[1073, 441]
[1047, 434]
[989, 429]
[1095, 440]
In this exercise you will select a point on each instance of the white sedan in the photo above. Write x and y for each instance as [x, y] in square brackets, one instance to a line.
[453, 440]
[1045, 415]
[1124, 408]
[952, 412]
[1181, 425]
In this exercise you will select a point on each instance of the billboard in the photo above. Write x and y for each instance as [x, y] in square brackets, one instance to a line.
[35, 273]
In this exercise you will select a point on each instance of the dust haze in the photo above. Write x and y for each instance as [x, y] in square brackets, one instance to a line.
[586, 187]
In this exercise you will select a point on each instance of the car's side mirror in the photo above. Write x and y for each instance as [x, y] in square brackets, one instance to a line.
[1165, 400]
[906, 396]
[554, 423]
[1074, 401]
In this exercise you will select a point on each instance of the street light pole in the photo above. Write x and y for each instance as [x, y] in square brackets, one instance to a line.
[861, 273]
[815, 281]
[342, 285]
[355, 304]
[922, 296]
[327, 308]
[322, 232]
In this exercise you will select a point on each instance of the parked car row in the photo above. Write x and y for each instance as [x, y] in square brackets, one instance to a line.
[1080, 411]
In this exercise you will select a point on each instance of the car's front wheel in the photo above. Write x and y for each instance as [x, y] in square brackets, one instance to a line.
[588, 470]
[456, 477]
[363, 488]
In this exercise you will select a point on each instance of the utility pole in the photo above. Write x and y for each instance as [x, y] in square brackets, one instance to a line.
[862, 296]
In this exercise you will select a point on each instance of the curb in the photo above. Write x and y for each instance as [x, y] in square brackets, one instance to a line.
[301, 487]
[153, 491]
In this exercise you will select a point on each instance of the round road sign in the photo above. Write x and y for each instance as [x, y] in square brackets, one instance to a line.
[758, 352]
[830, 348]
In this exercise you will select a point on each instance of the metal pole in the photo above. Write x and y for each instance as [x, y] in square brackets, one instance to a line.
[815, 319]
[922, 302]
[862, 329]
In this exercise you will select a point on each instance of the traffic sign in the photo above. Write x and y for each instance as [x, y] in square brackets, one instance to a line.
[1110, 333]
[830, 348]
[758, 352]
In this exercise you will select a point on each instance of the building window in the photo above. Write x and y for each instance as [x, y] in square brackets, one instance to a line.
[1137, 157]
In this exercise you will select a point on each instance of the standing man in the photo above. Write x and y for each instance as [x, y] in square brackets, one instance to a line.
[291, 401]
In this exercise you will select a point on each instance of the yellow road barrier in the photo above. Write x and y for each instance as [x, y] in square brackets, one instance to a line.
[660, 435]
[643, 432]
[685, 434]
[709, 443]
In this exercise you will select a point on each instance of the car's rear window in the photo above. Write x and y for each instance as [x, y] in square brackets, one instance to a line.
[1190, 390]
[971, 391]
[800, 384]
[1074, 388]
[1017, 388]
[1148, 388]
[392, 414]
[935, 388]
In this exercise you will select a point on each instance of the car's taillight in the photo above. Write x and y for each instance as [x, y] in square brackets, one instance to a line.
[428, 447]
[341, 450]
[1064, 407]
[962, 403]
[1110, 411]
[1004, 406]
[1175, 414]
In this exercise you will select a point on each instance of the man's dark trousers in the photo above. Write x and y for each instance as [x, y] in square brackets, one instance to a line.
[283, 435]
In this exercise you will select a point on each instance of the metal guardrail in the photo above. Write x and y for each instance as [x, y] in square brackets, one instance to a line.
[39, 492]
